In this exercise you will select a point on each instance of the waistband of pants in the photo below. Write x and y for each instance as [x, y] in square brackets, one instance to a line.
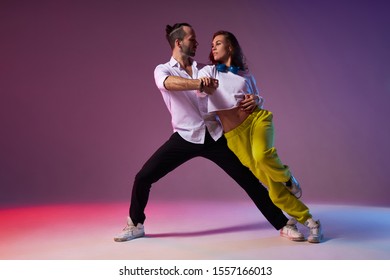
[244, 125]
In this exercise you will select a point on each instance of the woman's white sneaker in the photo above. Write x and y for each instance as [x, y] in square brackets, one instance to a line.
[315, 235]
[291, 231]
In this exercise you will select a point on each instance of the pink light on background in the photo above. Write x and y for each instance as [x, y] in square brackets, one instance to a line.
[197, 230]
[80, 113]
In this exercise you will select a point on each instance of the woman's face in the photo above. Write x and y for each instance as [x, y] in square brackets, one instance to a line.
[221, 49]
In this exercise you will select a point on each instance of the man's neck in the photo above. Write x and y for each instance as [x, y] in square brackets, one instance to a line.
[184, 61]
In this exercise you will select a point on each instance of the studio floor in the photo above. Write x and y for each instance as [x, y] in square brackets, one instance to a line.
[194, 230]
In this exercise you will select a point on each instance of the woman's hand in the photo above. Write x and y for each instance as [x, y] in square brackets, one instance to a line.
[249, 103]
[208, 85]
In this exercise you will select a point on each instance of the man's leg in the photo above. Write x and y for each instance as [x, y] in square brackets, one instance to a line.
[169, 156]
[219, 153]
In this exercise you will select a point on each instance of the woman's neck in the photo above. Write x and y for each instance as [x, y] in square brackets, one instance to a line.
[227, 62]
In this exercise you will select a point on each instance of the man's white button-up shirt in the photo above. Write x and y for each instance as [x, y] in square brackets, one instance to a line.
[188, 111]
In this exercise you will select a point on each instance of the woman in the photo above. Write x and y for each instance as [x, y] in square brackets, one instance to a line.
[250, 135]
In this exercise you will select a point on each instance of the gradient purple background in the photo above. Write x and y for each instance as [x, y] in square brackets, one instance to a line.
[80, 112]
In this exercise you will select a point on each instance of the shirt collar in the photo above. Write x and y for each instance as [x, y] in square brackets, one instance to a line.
[173, 62]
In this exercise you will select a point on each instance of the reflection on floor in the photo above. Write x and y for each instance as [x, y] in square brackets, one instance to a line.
[188, 231]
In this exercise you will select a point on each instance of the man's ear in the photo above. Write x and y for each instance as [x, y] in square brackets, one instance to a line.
[178, 43]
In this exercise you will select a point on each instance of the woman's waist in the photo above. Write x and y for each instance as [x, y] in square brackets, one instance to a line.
[232, 118]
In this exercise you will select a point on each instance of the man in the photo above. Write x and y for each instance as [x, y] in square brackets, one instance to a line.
[196, 133]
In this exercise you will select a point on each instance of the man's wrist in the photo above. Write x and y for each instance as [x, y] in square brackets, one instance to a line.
[201, 86]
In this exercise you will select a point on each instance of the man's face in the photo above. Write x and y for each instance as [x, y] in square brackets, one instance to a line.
[189, 43]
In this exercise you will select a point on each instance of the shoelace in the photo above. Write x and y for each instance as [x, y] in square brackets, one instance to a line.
[129, 228]
[291, 227]
[315, 230]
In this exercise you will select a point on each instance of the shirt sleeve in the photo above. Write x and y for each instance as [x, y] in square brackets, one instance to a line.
[255, 90]
[161, 72]
[206, 71]
[252, 85]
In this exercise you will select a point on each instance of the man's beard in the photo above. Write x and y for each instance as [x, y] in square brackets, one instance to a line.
[189, 52]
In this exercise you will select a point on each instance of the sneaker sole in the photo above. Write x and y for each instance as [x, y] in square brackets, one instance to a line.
[316, 240]
[118, 239]
[292, 238]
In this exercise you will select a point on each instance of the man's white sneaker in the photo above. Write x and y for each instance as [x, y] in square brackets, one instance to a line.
[293, 186]
[315, 235]
[130, 232]
[291, 231]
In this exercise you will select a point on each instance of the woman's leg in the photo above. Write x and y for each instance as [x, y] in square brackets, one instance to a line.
[264, 153]
[252, 142]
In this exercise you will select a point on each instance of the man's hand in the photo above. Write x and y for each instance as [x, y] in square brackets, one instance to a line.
[208, 85]
[249, 103]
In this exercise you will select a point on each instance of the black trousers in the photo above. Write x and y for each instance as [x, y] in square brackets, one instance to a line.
[176, 151]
